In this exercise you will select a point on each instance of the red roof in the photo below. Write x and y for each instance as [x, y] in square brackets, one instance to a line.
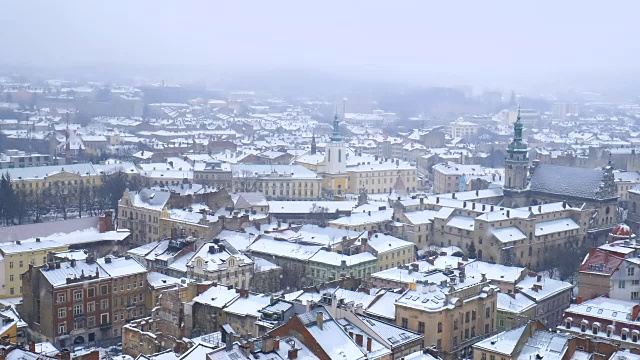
[601, 262]
[622, 231]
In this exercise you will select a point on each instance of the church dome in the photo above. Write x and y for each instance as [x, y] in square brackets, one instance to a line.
[622, 231]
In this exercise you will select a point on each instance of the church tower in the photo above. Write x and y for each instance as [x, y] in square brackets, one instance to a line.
[314, 148]
[517, 162]
[335, 177]
[335, 156]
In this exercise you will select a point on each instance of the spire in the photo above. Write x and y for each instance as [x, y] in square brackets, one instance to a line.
[517, 143]
[336, 131]
[313, 144]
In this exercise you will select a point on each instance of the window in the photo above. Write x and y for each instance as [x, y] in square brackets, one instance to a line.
[104, 304]
[439, 344]
[630, 271]
[115, 316]
[501, 322]
[484, 356]
[62, 297]
[455, 324]
[21, 263]
[104, 319]
[473, 315]
[77, 295]
[77, 310]
[439, 327]
[10, 277]
[405, 323]
[635, 282]
[488, 312]
[62, 313]
[11, 265]
[77, 324]
[492, 357]
[11, 291]
[421, 327]
[62, 329]
[91, 321]
[91, 307]
[621, 284]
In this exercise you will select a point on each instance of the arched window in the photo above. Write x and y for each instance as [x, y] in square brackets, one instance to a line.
[479, 254]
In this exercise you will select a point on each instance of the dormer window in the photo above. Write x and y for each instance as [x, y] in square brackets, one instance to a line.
[567, 323]
[595, 328]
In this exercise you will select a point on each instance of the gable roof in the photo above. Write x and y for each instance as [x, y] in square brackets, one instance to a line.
[567, 181]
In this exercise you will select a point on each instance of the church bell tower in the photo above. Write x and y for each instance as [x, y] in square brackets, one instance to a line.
[517, 161]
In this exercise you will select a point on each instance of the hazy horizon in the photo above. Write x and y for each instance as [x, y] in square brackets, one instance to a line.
[488, 45]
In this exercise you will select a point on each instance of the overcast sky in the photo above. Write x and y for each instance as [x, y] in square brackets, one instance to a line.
[475, 42]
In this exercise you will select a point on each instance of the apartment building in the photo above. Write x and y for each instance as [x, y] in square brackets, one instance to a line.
[140, 212]
[69, 303]
[451, 310]
[17, 256]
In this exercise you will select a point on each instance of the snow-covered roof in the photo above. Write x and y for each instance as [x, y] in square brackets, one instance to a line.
[567, 181]
[554, 226]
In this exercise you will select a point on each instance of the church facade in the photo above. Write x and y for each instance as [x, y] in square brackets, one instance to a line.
[533, 184]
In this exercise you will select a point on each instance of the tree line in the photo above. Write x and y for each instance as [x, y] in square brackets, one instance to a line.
[21, 205]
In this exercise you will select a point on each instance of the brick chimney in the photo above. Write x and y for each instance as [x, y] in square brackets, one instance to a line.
[65, 354]
[359, 340]
[276, 343]
[105, 222]
[292, 354]
[369, 342]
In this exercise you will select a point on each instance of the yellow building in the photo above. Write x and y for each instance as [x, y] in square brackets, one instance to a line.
[67, 176]
[390, 251]
[17, 256]
[140, 212]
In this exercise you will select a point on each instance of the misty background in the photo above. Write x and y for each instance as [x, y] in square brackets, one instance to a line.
[528, 46]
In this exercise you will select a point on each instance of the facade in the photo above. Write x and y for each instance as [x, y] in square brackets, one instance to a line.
[214, 173]
[69, 303]
[325, 266]
[140, 212]
[606, 320]
[463, 129]
[283, 182]
[390, 251]
[219, 262]
[452, 314]
[18, 255]
[128, 280]
[11, 159]
[451, 177]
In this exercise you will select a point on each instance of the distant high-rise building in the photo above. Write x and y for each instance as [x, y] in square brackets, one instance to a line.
[564, 111]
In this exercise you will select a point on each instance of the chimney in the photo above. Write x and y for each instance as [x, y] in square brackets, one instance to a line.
[539, 278]
[508, 214]
[359, 340]
[464, 204]
[473, 206]
[564, 204]
[292, 354]
[351, 334]
[491, 207]
[73, 262]
[421, 201]
[107, 259]
[228, 344]
[90, 259]
[437, 200]
[453, 195]
[477, 192]
[65, 354]
[363, 244]
[276, 343]
[369, 342]
[540, 208]
[37, 239]
[319, 319]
